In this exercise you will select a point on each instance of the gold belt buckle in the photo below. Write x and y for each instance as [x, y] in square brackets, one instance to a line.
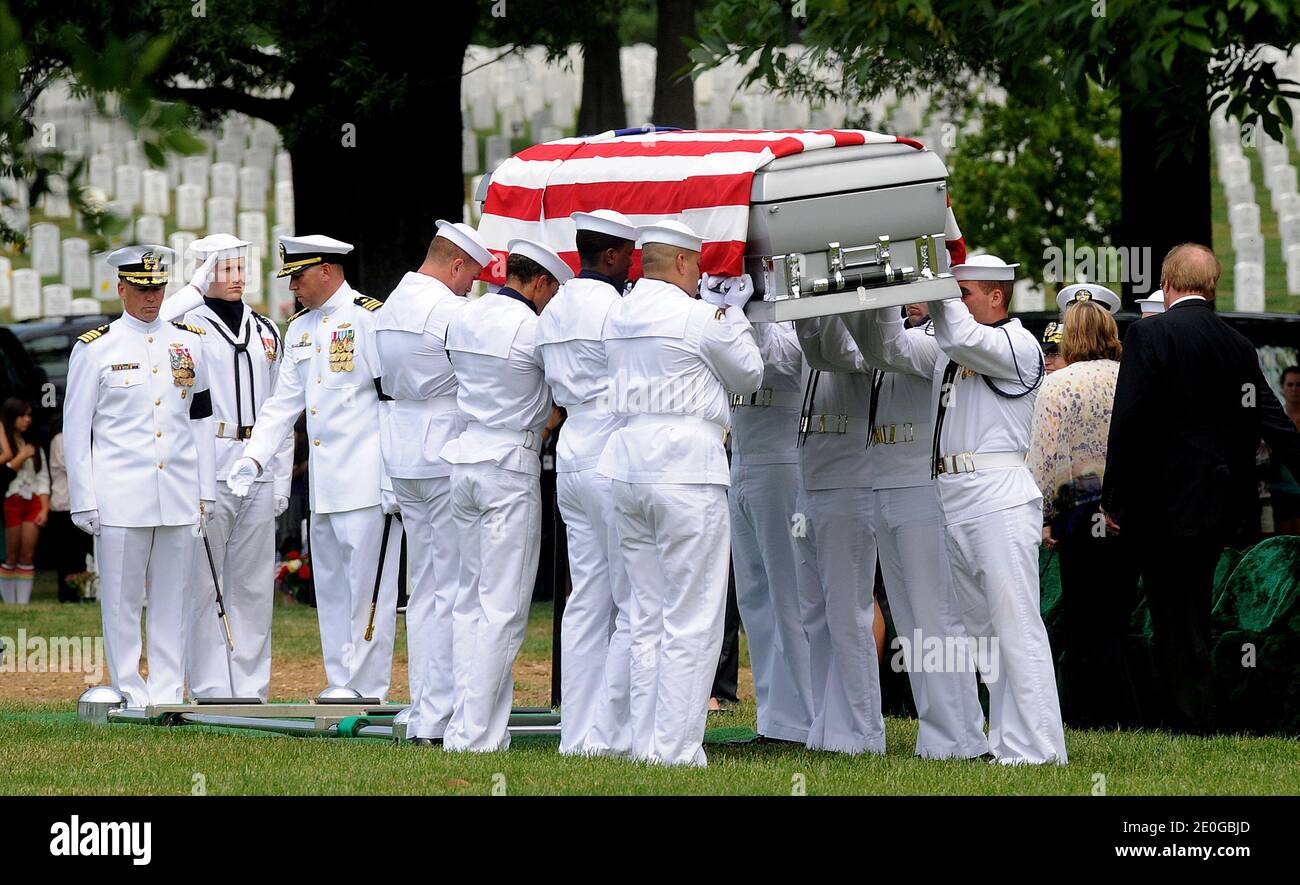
[762, 396]
[968, 460]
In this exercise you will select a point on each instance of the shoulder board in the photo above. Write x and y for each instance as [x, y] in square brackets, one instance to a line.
[298, 314]
[367, 302]
[188, 328]
[91, 335]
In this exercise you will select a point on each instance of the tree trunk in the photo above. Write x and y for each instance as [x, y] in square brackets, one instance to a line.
[674, 91]
[602, 87]
[1165, 201]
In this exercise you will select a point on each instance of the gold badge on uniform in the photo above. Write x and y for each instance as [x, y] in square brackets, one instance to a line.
[967, 373]
[182, 365]
[341, 346]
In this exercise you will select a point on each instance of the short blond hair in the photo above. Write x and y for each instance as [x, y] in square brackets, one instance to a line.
[1089, 333]
[1191, 267]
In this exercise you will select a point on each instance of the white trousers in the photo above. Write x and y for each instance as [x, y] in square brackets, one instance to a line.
[839, 553]
[994, 564]
[344, 559]
[131, 559]
[241, 533]
[764, 498]
[595, 631]
[914, 563]
[674, 541]
[499, 525]
[433, 576]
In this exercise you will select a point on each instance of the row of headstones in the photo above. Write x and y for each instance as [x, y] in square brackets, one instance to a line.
[1244, 211]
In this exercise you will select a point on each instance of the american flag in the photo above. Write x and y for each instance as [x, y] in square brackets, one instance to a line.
[701, 178]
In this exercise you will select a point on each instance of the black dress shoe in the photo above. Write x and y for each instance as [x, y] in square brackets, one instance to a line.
[426, 742]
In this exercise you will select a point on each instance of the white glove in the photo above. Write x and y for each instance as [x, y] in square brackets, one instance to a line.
[203, 275]
[87, 521]
[242, 474]
[388, 501]
[711, 290]
[738, 290]
[281, 504]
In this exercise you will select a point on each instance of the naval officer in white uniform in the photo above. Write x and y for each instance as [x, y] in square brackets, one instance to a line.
[242, 350]
[672, 360]
[495, 491]
[595, 629]
[329, 369]
[986, 372]
[910, 537]
[411, 343]
[137, 430]
[764, 496]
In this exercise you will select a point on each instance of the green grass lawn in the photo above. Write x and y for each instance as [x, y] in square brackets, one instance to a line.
[45, 750]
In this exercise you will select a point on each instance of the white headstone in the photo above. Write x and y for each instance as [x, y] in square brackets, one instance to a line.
[101, 174]
[284, 202]
[1293, 269]
[84, 307]
[496, 150]
[183, 263]
[252, 227]
[283, 167]
[1236, 170]
[27, 294]
[1249, 248]
[103, 278]
[1287, 204]
[1244, 217]
[1284, 183]
[194, 171]
[76, 263]
[57, 298]
[6, 283]
[126, 186]
[150, 229]
[221, 215]
[225, 180]
[468, 151]
[45, 249]
[1026, 296]
[153, 197]
[189, 207]
[1289, 230]
[253, 275]
[252, 189]
[1248, 287]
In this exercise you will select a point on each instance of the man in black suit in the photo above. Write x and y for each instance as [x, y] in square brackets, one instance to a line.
[1190, 388]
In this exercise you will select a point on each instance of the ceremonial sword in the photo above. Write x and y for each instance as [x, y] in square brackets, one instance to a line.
[221, 603]
[379, 576]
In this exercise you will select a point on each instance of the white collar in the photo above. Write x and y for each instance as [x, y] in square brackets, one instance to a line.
[342, 295]
[139, 325]
[1184, 298]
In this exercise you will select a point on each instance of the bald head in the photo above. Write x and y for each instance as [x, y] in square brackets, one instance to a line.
[672, 264]
[450, 265]
[1189, 269]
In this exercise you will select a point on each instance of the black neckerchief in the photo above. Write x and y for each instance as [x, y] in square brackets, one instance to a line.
[229, 312]
[588, 274]
[240, 344]
[946, 392]
[512, 293]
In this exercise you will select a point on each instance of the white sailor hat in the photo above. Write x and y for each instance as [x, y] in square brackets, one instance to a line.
[144, 265]
[1087, 292]
[605, 221]
[984, 267]
[550, 262]
[466, 239]
[670, 232]
[299, 253]
[225, 245]
[1153, 303]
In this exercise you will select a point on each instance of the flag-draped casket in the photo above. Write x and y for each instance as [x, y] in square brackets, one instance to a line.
[825, 221]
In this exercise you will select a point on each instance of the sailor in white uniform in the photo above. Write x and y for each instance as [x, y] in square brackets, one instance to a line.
[329, 369]
[986, 370]
[137, 431]
[242, 349]
[910, 539]
[672, 360]
[410, 339]
[764, 499]
[495, 490]
[839, 547]
[595, 629]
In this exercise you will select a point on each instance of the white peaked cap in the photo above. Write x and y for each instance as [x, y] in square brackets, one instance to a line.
[1087, 292]
[984, 267]
[466, 239]
[1153, 303]
[225, 245]
[315, 243]
[671, 233]
[605, 221]
[552, 263]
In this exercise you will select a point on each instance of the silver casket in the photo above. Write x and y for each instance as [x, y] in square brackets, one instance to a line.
[844, 229]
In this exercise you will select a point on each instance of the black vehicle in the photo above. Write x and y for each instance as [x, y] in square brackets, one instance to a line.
[48, 343]
[20, 375]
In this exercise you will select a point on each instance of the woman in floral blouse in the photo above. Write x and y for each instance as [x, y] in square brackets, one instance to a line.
[1068, 457]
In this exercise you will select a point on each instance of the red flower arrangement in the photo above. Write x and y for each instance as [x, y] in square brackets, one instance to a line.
[293, 576]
